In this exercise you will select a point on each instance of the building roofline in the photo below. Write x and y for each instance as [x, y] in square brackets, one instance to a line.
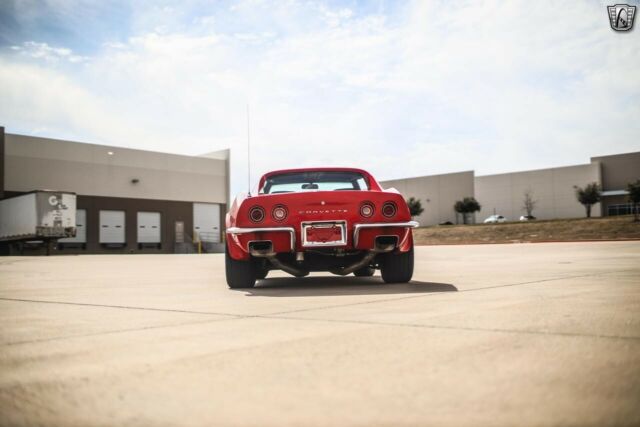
[428, 176]
[535, 170]
[117, 147]
[594, 158]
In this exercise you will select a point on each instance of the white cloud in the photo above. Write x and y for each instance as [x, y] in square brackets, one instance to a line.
[438, 87]
[48, 53]
[51, 102]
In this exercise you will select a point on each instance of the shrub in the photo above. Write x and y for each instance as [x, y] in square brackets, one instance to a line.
[588, 196]
[415, 207]
[634, 198]
[466, 206]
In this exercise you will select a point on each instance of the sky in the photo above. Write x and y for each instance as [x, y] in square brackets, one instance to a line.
[398, 88]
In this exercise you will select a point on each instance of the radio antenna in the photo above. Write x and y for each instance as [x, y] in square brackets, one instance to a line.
[248, 153]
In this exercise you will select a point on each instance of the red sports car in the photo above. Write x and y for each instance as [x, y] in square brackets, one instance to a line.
[323, 219]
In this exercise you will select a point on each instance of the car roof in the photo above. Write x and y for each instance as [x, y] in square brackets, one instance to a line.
[373, 184]
[321, 169]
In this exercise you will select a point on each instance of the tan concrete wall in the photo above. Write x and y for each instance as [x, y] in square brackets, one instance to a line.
[553, 189]
[618, 170]
[37, 163]
[438, 194]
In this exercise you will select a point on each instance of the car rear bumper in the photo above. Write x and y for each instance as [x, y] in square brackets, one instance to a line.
[284, 238]
[358, 227]
[251, 230]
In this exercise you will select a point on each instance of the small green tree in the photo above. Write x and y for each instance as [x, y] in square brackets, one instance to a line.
[466, 206]
[588, 196]
[415, 207]
[634, 198]
[528, 204]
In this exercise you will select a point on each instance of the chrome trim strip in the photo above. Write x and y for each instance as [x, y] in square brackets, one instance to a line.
[357, 227]
[290, 230]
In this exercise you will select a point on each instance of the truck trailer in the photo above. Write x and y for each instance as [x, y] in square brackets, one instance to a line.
[38, 215]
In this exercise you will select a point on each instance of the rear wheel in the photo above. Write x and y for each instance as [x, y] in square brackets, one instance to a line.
[397, 267]
[240, 274]
[365, 272]
[261, 273]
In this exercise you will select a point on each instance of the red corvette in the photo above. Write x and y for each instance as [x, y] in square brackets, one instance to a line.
[323, 219]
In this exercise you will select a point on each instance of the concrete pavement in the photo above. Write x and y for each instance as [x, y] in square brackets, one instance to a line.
[537, 334]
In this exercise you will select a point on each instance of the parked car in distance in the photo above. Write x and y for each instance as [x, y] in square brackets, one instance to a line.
[322, 219]
[494, 219]
[527, 218]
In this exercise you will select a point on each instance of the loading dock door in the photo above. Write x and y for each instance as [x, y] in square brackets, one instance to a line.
[81, 228]
[112, 227]
[148, 227]
[206, 222]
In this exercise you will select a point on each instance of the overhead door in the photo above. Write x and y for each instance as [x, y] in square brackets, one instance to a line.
[81, 228]
[112, 227]
[206, 222]
[149, 227]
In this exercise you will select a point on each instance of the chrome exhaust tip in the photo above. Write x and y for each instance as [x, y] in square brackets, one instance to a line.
[386, 243]
[261, 249]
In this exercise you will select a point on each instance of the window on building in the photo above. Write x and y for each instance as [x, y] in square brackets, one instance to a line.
[620, 209]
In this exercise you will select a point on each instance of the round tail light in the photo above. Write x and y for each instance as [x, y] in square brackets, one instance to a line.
[367, 209]
[256, 214]
[389, 209]
[279, 213]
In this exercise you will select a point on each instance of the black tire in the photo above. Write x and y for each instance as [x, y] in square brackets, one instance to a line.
[240, 274]
[261, 273]
[5, 249]
[365, 272]
[397, 267]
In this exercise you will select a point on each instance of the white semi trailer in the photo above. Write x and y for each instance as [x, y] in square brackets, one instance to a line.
[39, 215]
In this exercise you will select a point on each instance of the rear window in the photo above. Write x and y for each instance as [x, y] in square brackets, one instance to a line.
[314, 181]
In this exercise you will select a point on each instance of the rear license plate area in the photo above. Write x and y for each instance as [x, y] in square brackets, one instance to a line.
[324, 233]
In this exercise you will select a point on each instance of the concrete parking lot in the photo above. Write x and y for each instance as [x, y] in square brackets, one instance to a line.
[530, 334]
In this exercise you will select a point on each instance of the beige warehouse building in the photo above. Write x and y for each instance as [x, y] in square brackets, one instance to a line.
[553, 190]
[128, 201]
[437, 194]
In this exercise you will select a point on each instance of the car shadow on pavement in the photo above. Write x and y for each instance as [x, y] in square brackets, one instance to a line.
[336, 285]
